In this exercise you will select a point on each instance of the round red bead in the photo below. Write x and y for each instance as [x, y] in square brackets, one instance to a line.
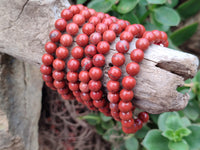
[98, 60]
[47, 78]
[95, 85]
[149, 36]
[62, 52]
[103, 47]
[73, 86]
[127, 123]
[137, 55]
[95, 38]
[114, 107]
[59, 84]
[72, 76]
[132, 68]
[132, 29]
[92, 11]
[122, 46]
[113, 86]
[122, 23]
[125, 106]
[126, 95]
[84, 87]
[142, 44]
[63, 91]
[138, 123]
[50, 47]
[96, 95]
[47, 59]
[99, 103]
[113, 97]
[84, 76]
[126, 115]
[66, 14]
[94, 20]
[85, 13]
[100, 15]
[107, 21]
[88, 28]
[82, 40]
[128, 82]
[58, 75]
[118, 59]
[95, 73]
[55, 35]
[72, 28]
[66, 40]
[73, 64]
[58, 64]
[86, 63]
[109, 36]
[143, 116]
[45, 69]
[60, 24]
[77, 52]
[90, 50]
[101, 28]
[116, 28]
[74, 9]
[125, 35]
[85, 96]
[114, 73]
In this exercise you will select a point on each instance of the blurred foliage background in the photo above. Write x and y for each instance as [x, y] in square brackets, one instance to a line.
[170, 130]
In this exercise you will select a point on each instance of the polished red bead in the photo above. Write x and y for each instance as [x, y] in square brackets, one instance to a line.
[74, 9]
[99, 103]
[127, 123]
[88, 28]
[66, 40]
[114, 107]
[96, 95]
[113, 86]
[63, 90]
[138, 123]
[84, 76]
[122, 46]
[55, 35]
[132, 68]
[126, 95]
[90, 50]
[62, 52]
[58, 64]
[127, 130]
[114, 19]
[127, 22]
[72, 28]
[86, 63]
[100, 15]
[98, 60]
[61, 24]
[73, 64]
[95, 85]
[95, 73]
[166, 43]
[95, 38]
[85, 96]
[58, 75]
[72, 76]
[107, 21]
[128, 82]
[163, 36]
[122, 23]
[50, 47]
[82, 40]
[113, 97]
[103, 47]
[132, 29]
[105, 108]
[94, 20]
[101, 28]
[92, 11]
[66, 14]
[143, 116]
[45, 69]
[116, 28]
[59, 84]
[142, 30]
[149, 36]
[80, 6]
[47, 59]
[109, 36]
[84, 87]
[118, 59]
[114, 73]
[137, 55]
[115, 115]
[126, 115]
[85, 13]
[77, 52]
[157, 35]
[77, 93]
[79, 100]
[73, 86]
[125, 106]
[142, 44]
[125, 35]
[47, 78]
[50, 85]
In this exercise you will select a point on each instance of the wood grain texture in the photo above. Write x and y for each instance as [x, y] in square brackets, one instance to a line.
[162, 70]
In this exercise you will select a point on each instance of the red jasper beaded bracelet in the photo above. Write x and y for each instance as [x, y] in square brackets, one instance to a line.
[78, 76]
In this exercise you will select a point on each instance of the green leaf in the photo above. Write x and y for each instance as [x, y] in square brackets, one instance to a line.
[81, 1]
[189, 8]
[166, 16]
[194, 138]
[131, 143]
[109, 133]
[169, 133]
[172, 45]
[172, 3]
[131, 17]
[107, 125]
[105, 118]
[182, 132]
[92, 119]
[99, 129]
[140, 134]
[162, 119]
[156, 1]
[182, 145]
[192, 110]
[159, 26]
[155, 141]
[186, 122]
[181, 35]
[174, 122]
[101, 5]
[126, 6]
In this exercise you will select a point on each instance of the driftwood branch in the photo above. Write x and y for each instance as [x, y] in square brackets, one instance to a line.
[24, 34]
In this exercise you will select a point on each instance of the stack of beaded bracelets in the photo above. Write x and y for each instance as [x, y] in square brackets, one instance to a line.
[78, 76]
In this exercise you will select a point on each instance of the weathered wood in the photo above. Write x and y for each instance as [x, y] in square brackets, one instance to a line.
[162, 70]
